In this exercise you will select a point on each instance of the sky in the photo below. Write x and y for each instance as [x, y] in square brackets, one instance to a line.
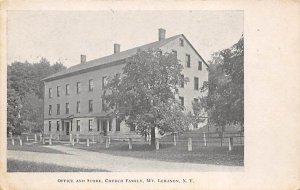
[62, 36]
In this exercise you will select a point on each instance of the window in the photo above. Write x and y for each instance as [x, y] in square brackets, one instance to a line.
[78, 85]
[174, 52]
[196, 83]
[182, 82]
[50, 109]
[200, 65]
[50, 92]
[104, 82]
[62, 125]
[67, 108]
[90, 105]
[98, 125]
[78, 106]
[57, 125]
[188, 60]
[90, 124]
[91, 85]
[181, 42]
[58, 91]
[71, 125]
[195, 125]
[181, 100]
[109, 125]
[132, 127]
[77, 125]
[49, 125]
[67, 89]
[118, 124]
[58, 109]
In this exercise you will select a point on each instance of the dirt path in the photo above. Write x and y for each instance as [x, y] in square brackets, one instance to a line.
[91, 160]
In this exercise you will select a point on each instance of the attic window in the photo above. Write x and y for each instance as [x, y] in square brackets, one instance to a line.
[181, 42]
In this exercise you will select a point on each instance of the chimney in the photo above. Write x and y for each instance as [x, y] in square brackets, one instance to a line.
[82, 59]
[116, 48]
[161, 34]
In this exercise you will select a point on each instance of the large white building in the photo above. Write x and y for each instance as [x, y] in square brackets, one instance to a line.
[72, 98]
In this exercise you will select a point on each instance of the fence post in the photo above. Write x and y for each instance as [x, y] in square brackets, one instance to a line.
[174, 139]
[88, 142]
[107, 143]
[70, 137]
[40, 138]
[26, 138]
[108, 139]
[77, 138]
[93, 138]
[73, 142]
[204, 139]
[21, 143]
[130, 143]
[58, 137]
[157, 144]
[230, 143]
[50, 140]
[43, 139]
[190, 145]
[35, 137]
[13, 141]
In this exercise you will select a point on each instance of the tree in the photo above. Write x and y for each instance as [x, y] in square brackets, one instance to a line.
[225, 101]
[145, 94]
[32, 113]
[13, 110]
[25, 93]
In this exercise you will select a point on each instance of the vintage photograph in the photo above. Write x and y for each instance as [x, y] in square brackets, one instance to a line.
[125, 91]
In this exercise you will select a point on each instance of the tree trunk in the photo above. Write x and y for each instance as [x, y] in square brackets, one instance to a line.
[153, 136]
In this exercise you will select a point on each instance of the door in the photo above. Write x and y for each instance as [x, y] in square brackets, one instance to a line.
[67, 128]
[104, 127]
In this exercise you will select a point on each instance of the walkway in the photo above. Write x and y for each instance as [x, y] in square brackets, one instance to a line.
[93, 160]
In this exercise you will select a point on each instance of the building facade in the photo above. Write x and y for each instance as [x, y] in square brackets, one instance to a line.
[72, 98]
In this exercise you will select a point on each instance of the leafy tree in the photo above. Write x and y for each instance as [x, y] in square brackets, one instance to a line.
[13, 110]
[225, 101]
[32, 113]
[25, 93]
[145, 94]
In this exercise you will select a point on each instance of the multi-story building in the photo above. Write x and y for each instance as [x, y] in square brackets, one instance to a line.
[72, 98]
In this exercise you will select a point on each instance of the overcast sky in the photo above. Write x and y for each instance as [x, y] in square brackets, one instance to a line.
[64, 35]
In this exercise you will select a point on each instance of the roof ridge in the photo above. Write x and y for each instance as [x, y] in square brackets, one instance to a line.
[132, 48]
[113, 57]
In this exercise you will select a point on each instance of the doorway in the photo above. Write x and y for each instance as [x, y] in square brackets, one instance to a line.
[104, 127]
[67, 128]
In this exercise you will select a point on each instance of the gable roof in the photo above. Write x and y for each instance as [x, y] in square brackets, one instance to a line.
[90, 65]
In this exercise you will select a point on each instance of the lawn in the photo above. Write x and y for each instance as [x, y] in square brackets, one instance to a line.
[204, 155]
[23, 166]
[36, 147]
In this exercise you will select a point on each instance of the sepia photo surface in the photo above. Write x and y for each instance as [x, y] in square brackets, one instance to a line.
[145, 98]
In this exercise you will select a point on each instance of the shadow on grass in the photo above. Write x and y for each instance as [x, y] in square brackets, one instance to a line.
[24, 166]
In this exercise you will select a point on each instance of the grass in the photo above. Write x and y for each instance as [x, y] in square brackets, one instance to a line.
[204, 155]
[36, 147]
[24, 166]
